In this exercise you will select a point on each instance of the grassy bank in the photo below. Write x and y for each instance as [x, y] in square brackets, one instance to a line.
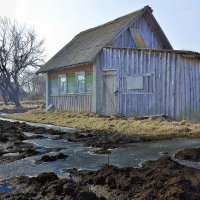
[157, 129]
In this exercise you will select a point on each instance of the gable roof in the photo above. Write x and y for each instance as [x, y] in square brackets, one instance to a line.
[85, 46]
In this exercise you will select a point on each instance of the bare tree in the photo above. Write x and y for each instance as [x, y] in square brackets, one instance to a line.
[34, 85]
[19, 50]
[3, 94]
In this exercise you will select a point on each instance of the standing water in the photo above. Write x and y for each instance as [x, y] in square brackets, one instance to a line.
[81, 157]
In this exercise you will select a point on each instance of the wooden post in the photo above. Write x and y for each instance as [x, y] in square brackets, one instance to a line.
[47, 90]
[94, 88]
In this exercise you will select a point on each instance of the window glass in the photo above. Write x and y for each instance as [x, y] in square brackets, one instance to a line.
[62, 84]
[89, 82]
[71, 84]
[80, 83]
[54, 86]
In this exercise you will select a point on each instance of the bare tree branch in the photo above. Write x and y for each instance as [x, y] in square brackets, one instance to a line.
[19, 50]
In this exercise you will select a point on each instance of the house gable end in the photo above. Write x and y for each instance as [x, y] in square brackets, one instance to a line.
[85, 47]
[150, 30]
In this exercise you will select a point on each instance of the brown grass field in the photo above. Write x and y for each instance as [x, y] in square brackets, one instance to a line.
[159, 128]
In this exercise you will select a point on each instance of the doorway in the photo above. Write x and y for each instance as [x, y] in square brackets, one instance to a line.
[109, 92]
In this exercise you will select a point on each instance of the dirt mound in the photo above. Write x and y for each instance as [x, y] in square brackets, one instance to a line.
[102, 151]
[51, 158]
[163, 179]
[189, 154]
[11, 135]
[104, 140]
[49, 186]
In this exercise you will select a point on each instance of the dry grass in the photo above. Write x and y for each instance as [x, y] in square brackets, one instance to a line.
[157, 129]
[24, 104]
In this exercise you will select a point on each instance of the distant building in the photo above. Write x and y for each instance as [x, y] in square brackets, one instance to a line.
[125, 66]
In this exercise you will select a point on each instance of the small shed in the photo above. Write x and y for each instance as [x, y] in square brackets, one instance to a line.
[125, 66]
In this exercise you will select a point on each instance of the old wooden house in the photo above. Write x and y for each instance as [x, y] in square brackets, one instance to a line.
[125, 66]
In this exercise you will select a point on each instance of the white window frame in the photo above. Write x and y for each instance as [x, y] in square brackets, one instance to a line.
[78, 91]
[65, 84]
[54, 90]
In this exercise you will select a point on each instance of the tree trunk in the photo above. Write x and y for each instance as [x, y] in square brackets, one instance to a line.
[14, 95]
[15, 98]
[4, 96]
[16, 101]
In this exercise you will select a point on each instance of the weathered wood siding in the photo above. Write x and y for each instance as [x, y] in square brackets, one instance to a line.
[171, 82]
[126, 40]
[73, 102]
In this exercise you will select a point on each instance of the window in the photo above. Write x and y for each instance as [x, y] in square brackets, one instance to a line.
[89, 82]
[54, 86]
[138, 38]
[62, 84]
[80, 82]
[71, 84]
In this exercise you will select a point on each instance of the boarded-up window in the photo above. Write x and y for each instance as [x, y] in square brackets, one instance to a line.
[134, 83]
[71, 84]
[138, 38]
[54, 86]
[89, 82]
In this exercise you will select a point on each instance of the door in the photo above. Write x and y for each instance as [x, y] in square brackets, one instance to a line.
[109, 93]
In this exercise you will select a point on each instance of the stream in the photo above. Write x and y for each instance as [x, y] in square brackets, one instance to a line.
[82, 157]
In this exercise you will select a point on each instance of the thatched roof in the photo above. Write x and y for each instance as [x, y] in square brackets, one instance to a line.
[85, 46]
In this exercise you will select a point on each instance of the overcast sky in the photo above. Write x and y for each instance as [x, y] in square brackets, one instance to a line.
[58, 21]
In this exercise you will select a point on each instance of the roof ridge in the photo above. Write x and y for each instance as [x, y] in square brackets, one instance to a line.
[86, 45]
[116, 19]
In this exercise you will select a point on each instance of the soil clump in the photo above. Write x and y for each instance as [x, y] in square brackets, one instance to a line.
[164, 179]
[192, 154]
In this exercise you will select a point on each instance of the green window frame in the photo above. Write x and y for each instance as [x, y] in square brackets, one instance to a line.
[89, 82]
[79, 83]
[71, 84]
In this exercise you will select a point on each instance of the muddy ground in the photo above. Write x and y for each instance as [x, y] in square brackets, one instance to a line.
[164, 179]
[192, 154]
[12, 137]
[12, 146]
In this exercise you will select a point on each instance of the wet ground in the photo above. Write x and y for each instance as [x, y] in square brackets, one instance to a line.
[164, 179]
[28, 151]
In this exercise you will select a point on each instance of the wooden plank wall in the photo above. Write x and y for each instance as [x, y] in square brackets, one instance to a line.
[125, 39]
[73, 102]
[171, 82]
